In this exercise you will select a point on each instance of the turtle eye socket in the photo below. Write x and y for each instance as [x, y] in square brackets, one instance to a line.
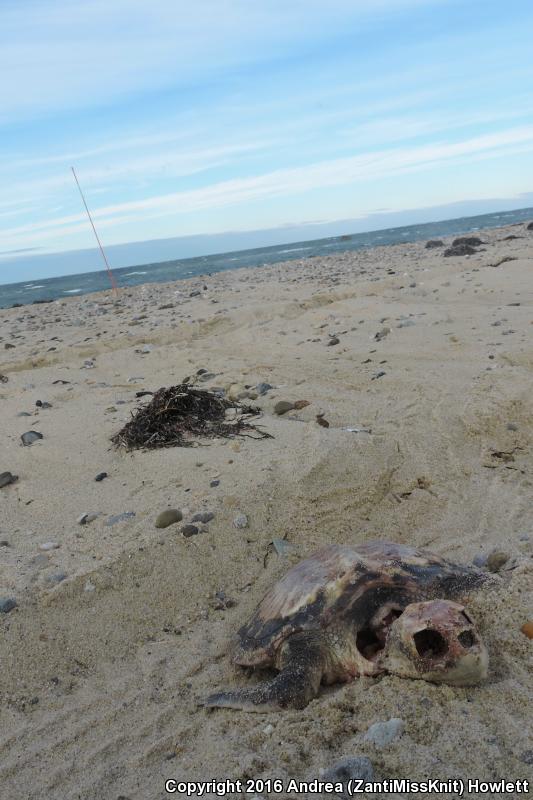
[466, 639]
[430, 643]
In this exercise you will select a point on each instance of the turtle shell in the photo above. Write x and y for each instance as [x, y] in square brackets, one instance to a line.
[343, 584]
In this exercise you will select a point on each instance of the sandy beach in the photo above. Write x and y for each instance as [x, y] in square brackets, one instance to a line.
[422, 366]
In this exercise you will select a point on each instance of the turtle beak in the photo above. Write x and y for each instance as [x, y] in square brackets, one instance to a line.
[436, 641]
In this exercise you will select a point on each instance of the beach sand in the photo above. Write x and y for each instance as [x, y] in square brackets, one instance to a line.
[118, 631]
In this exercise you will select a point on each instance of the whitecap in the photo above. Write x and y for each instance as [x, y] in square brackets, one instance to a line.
[71, 291]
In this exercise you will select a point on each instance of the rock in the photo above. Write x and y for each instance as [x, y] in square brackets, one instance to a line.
[511, 426]
[235, 390]
[49, 546]
[190, 530]
[496, 560]
[9, 346]
[379, 374]
[55, 577]
[101, 476]
[119, 518]
[299, 404]
[346, 769]
[527, 629]
[472, 241]
[206, 376]
[460, 250]
[480, 560]
[168, 517]
[43, 404]
[23, 414]
[333, 341]
[30, 437]
[85, 519]
[432, 243]
[203, 516]
[406, 323]
[282, 406]
[6, 478]
[382, 734]
[263, 388]
[7, 604]
[530, 227]
[381, 334]
[214, 483]
[240, 521]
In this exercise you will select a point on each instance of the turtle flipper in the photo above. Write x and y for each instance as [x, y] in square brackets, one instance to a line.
[302, 661]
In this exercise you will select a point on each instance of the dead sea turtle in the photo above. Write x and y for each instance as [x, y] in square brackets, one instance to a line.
[348, 611]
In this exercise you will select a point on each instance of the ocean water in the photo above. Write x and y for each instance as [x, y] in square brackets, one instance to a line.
[73, 285]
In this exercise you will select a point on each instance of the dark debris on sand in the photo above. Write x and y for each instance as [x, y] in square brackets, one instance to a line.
[177, 414]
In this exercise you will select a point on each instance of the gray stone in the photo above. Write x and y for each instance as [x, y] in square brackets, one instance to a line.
[263, 388]
[432, 243]
[119, 518]
[406, 323]
[333, 341]
[49, 546]
[30, 437]
[190, 530]
[55, 577]
[282, 406]
[168, 517]
[203, 516]
[214, 483]
[240, 521]
[7, 604]
[6, 478]
[346, 769]
[382, 734]
[480, 560]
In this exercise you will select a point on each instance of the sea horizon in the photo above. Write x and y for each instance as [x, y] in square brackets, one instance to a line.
[78, 284]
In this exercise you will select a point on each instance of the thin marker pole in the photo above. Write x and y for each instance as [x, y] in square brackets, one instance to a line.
[111, 276]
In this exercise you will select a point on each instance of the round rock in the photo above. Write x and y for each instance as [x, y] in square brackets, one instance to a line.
[7, 604]
[30, 437]
[168, 517]
[382, 734]
[282, 406]
[190, 530]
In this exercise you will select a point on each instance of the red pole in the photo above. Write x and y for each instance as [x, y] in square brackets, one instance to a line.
[111, 276]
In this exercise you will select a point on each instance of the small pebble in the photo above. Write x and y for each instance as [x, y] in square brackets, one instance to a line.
[7, 604]
[382, 734]
[49, 546]
[101, 476]
[240, 521]
[214, 483]
[480, 560]
[496, 560]
[190, 530]
[55, 577]
[203, 516]
[527, 629]
[119, 518]
[85, 519]
[263, 388]
[333, 341]
[30, 437]
[511, 426]
[168, 517]
[6, 478]
[282, 406]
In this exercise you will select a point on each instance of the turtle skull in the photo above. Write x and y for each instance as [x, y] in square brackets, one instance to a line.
[436, 641]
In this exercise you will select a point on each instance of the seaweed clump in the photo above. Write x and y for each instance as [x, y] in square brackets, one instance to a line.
[177, 414]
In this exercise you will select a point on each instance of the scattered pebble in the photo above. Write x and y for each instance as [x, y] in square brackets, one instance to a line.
[7, 604]
[480, 560]
[214, 483]
[282, 406]
[203, 516]
[30, 437]
[168, 517]
[119, 518]
[333, 340]
[527, 629]
[299, 404]
[49, 546]
[382, 734]
[263, 388]
[7, 478]
[434, 243]
[101, 476]
[190, 530]
[240, 521]
[55, 577]
[496, 560]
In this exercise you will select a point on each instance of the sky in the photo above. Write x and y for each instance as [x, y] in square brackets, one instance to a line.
[199, 119]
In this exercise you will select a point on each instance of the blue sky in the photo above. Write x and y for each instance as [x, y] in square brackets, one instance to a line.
[188, 118]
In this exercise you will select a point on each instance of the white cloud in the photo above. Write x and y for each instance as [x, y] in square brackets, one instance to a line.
[280, 183]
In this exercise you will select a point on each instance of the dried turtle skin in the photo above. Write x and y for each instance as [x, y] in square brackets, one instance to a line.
[359, 610]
